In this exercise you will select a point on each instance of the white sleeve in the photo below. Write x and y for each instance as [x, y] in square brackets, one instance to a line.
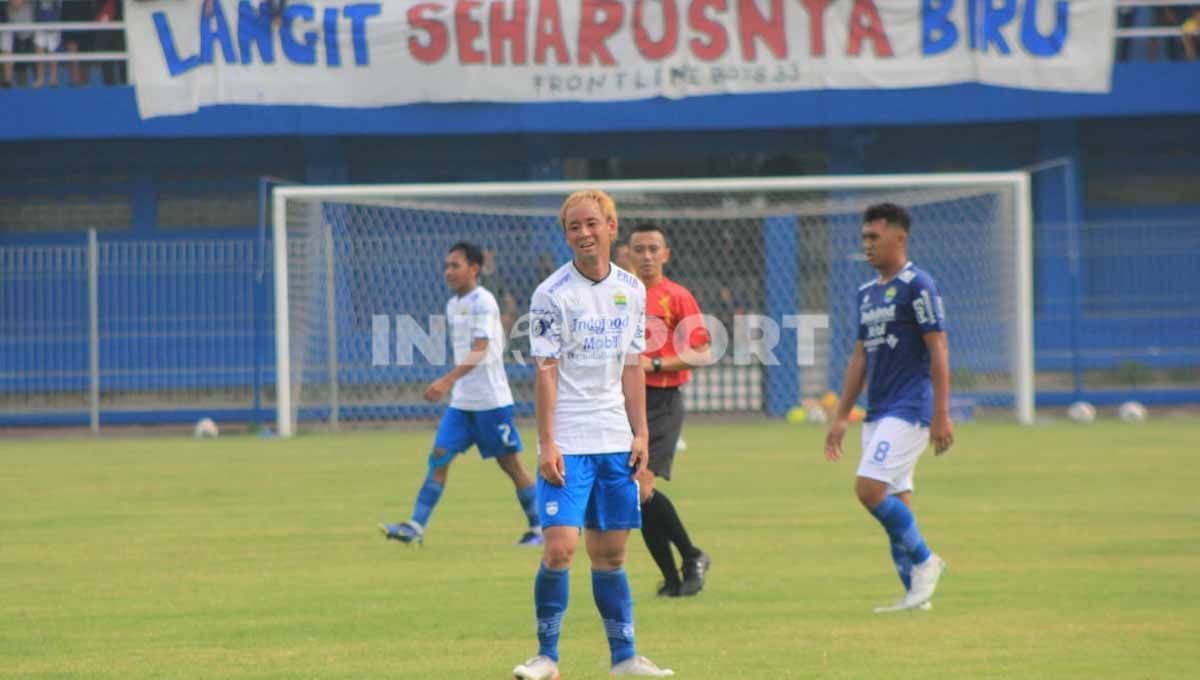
[545, 326]
[637, 344]
[484, 315]
[927, 307]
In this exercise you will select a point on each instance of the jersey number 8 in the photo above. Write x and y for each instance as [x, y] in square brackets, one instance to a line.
[881, 452]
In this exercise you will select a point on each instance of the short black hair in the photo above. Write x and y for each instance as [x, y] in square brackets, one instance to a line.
[470, 251]
[889, 212]
[645, 227]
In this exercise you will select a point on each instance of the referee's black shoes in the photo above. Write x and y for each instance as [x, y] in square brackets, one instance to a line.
[694, 572]
[669, 589]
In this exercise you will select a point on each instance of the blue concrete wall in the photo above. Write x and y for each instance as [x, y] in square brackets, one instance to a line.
[1139, 89]
[1129, 188]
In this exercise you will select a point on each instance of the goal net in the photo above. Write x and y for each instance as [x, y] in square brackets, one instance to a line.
[774, 262]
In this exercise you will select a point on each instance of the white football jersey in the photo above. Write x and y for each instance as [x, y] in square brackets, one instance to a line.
[472, 316]
[590, 327]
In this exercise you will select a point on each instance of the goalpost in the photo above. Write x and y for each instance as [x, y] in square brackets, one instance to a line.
[359, 291]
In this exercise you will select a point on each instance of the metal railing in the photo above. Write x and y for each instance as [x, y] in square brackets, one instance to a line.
[97, 26]
[1126, 33]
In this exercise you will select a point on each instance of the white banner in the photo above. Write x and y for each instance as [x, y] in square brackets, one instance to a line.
[368, 54]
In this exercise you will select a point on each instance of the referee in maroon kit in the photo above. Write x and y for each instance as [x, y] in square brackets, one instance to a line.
[672, 319]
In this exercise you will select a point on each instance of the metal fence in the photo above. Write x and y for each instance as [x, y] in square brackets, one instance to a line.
[1117, 311]
[133, 332]
[159, 331]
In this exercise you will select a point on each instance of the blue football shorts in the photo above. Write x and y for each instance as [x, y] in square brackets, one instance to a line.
[599, 494]
[493, 432]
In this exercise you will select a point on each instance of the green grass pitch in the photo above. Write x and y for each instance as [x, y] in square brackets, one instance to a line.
[1074, 552]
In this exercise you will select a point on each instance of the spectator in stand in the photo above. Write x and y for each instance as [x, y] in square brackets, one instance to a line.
[726, 308]
[1168, 16]
[83, 11]
[1134, 49]
[110, 41]
[47, 42]
[18, 42]
[6, 74]
[1191, 35]
[622, 258]
[502, 288]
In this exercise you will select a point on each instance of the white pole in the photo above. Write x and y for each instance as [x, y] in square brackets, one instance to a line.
[753, 184]
[93, 265]
[1024, 372]
[283, 362]
[331, 325]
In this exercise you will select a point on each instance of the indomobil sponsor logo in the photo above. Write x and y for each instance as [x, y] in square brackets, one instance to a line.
[879, 315]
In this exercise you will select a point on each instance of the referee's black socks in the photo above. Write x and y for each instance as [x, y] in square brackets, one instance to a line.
[661, 527]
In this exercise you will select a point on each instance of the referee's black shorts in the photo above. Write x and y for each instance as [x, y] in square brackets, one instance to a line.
[664, 415]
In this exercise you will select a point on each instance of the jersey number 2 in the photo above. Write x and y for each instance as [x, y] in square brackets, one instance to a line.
[505, 434]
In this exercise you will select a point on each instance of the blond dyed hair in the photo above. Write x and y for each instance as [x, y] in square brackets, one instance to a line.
[607, 206]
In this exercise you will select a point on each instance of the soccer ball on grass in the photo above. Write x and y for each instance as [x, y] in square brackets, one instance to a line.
[1132, 412]
[205, 427]
[1081, 412]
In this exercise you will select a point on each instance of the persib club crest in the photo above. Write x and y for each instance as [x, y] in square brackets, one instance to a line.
[889, 294]
[552, 508]
[619, 300]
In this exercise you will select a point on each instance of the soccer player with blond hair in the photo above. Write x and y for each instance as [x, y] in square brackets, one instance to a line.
[587, 332]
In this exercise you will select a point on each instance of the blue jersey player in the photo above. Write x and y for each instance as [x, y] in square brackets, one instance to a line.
[481, 404]
[587, 331]
[902, 358]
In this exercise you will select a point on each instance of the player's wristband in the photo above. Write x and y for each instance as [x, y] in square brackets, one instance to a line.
[656, 364]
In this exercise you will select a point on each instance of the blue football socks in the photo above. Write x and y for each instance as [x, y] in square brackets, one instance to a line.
[903, 564]
[427, 499]
[550, 590]
[901, 527]
[528, 499]
[615, 602]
